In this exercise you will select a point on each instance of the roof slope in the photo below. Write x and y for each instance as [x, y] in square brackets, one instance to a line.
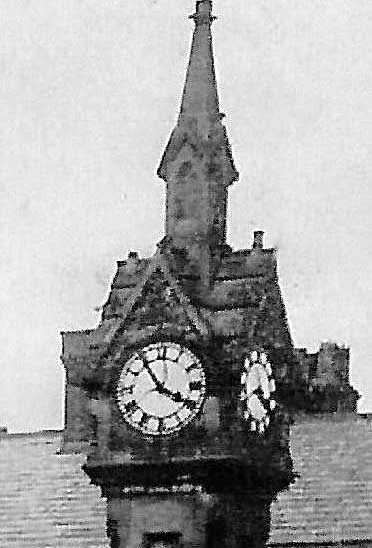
[332, 499]
[46, 500]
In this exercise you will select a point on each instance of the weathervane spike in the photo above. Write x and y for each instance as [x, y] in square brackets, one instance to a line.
[203, 14]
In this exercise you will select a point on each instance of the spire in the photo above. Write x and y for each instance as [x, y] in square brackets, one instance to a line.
[200, 96]
[199, 120]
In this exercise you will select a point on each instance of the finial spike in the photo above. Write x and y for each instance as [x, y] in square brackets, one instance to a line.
[203, 14]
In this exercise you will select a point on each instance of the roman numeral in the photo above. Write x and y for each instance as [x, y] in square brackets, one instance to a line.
[192, 365]
[191, 404]
[161, 426]
[128, 389]
[162, 353]
[131, 407]
[144, 419]
[196, 385]
[180, 355]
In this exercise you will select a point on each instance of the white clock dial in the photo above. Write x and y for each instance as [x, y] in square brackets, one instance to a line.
[257, 388]
[161, 388]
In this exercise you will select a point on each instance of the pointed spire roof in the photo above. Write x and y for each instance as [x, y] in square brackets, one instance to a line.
[200, 96]
[199, 119]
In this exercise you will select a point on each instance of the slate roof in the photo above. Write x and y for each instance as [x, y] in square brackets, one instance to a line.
[47, 501]
[244, 282]
[332, 498]
[240, 274]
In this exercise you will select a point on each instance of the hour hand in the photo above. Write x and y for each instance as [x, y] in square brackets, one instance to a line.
[162, 389]
[179, 398]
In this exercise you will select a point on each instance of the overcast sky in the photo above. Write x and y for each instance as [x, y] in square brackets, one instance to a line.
[89, 93]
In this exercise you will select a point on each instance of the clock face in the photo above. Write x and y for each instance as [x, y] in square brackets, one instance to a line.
[257, 388]
[161, 388]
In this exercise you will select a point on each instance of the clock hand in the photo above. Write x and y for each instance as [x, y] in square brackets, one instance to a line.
[158, 384]
[162, 389]
[178, 397]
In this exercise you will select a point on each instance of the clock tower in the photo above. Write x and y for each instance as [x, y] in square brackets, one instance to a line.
[181, 389]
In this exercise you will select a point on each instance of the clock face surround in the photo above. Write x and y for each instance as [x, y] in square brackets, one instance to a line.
[257, 388]
[161, 389]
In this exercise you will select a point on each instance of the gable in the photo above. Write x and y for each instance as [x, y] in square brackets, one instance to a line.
[331, 500]
[160, 304]
[156, 303]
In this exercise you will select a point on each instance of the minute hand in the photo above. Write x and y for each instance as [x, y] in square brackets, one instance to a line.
[162, 389]
[159, 385]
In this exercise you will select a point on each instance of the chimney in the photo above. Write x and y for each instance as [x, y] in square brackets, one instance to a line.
[132, 255]
[132, 262]
[258, 239]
